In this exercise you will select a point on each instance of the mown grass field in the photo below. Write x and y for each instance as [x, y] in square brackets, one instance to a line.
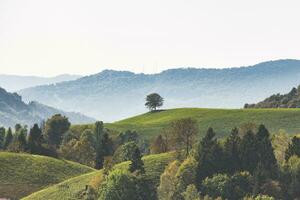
[72, 188]
[222, 120]
[23, 174]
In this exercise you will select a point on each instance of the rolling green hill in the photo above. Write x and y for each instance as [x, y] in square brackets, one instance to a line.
[23, 174]
[72, 188]
[222, 120]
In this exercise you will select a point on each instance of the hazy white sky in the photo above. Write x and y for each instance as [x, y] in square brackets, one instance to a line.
[49, 37]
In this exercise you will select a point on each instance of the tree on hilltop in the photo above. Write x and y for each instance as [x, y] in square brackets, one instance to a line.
[154, 101]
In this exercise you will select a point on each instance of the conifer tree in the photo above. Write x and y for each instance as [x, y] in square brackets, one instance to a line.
[35, 139]
[137, 165]
[8, 138]
[209, 156]
[248, 152]
[232, 145]
[265, 151]
[2, 137]
[99, 135]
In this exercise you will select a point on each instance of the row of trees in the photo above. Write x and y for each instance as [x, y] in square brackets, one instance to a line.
[231, 168]
[91, 145]
[240, 166]
[43, 139]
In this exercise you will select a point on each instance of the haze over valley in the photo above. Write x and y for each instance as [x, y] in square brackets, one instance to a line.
[113, 95]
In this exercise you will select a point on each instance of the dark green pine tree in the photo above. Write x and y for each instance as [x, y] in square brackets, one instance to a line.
[8, 138]
[265, 152]
[137, 164]
[21, 138]
[2, 137]
[232, 145]
[293, 149]
[35, 139]
[248, 152]
[99, 133]
[260, 175]
[209, 156]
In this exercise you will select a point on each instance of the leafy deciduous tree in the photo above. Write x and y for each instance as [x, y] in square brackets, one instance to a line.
[159, 145]
[293, 148]
[154, 101]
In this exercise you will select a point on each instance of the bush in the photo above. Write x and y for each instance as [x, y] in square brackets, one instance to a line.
[119, 185]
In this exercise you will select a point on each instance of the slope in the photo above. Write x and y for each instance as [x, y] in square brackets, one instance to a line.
[222, 120]
[72, 188]
[13, 110]
[23, 174]
[14, 83]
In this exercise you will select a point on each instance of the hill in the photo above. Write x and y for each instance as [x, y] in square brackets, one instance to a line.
[222, 120]
[113, 95]
[14, 83]
[70, 189]
[23, 174]
[13, 110]
[289, 100]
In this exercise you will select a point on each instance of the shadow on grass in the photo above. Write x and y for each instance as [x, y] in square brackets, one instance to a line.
[156, 111]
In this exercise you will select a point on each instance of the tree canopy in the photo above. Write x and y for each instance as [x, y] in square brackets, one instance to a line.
[154, 101]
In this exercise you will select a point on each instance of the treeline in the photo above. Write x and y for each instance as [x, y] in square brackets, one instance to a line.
[289, 100]
[90, 146]
[233, 168]
[249, 164]
[42, 139]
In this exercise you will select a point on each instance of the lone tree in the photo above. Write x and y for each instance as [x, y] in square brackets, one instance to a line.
[136, 162]
[154, 101]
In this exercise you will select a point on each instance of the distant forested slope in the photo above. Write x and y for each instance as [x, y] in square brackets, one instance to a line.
[13, 110]
[289, 100]
[113, 95]
[14, 83]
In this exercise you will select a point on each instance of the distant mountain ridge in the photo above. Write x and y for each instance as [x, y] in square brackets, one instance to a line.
[112, 95]
[289, 100]
[13, 83]
[13, 110]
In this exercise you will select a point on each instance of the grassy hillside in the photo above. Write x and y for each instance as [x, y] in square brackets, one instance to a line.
[72, 188]
[23, 174]
[222, 120]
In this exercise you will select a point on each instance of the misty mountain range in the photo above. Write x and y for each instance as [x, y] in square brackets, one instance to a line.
[13, 83]
[13, 110]
[112, 95]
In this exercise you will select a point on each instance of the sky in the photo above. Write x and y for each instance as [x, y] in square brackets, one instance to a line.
[47, 38]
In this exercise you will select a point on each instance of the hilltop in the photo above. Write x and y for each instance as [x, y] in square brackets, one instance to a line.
[14, 110]
[70, 189]
[23, 174]
[222, 120]
[113, 95]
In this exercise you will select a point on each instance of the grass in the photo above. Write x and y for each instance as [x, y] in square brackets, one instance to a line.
[23, 174]
[72, 188]
[222, 120]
